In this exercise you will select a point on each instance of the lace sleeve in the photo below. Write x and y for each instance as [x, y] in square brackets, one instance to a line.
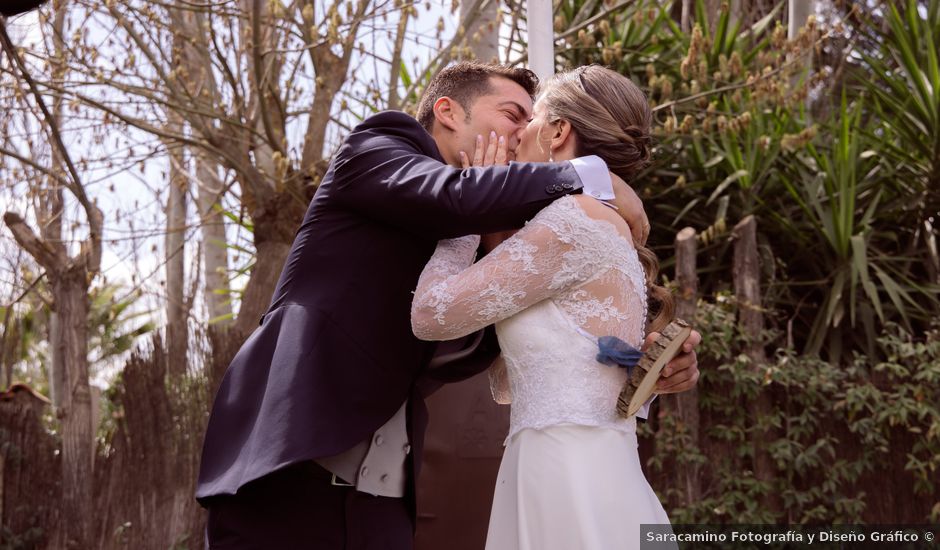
[543, 259]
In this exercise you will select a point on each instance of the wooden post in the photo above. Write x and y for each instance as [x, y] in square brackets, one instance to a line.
[686, 403]
[751, 324]
[682, 408]
[747, 285]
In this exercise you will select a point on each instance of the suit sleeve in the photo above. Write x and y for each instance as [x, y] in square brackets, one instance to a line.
[386, 176]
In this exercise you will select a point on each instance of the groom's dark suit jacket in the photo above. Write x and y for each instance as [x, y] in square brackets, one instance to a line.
[334, 357]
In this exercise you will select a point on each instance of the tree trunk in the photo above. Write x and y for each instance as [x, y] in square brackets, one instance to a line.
[57, 375]
[70, 296]
[482, 36]
[214, 241]
[177, 312]
[751, 324]
[198, 79]
[329, 80]
[685, 20]
[273, 239]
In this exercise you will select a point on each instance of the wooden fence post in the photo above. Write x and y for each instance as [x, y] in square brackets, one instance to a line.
[751, 323]
[686, 403]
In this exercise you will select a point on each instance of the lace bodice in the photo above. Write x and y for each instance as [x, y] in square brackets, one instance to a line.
[551, 289]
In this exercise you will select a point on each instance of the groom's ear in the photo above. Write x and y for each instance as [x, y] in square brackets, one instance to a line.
[447, 112]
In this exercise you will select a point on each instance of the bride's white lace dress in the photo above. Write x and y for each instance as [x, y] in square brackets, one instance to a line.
[570, 477]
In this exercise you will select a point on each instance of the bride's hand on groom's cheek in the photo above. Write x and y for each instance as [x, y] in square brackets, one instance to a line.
[487, 152]
[681, 373]
[630, 207]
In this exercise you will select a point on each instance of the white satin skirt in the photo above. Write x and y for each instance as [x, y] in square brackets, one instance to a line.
[570, 487]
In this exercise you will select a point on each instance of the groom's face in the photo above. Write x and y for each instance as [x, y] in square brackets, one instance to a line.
[506, 110]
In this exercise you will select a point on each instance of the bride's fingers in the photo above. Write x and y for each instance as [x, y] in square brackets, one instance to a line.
[650, 338]
[680, 363]
[630, 207]
[693, 340]
[478, 152]
[679, 382]
[464, 160]
[640, 228]
[492, 151]
[490, 157]
[680, 374]
[502, 151]
[643, 234]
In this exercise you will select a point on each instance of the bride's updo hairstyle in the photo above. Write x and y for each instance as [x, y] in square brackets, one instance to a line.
[611, 118]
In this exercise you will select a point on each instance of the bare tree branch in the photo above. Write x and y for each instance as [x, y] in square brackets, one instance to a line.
[47, 256]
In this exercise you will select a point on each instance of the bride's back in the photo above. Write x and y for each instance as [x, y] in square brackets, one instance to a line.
[550, 348]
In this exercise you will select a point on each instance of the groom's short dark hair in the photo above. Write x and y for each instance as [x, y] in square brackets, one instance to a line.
[464, 82]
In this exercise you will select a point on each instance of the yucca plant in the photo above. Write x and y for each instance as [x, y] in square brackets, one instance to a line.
[903, 79]
[839, 193]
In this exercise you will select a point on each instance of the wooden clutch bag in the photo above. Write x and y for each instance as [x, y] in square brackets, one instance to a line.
[640, 384]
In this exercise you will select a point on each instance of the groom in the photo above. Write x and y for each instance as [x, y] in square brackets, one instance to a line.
[315, 436]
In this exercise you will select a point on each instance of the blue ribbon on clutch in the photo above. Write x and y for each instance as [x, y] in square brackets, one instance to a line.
[614, 352]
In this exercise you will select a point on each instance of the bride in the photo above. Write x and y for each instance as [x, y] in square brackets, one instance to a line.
[570, 477]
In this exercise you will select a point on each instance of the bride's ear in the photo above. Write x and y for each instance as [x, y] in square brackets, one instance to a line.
[561, 133]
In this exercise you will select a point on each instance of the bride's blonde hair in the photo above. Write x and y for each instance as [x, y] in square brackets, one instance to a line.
[611, 118]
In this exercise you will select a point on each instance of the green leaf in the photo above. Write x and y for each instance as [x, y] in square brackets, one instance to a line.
[725, 183]
[405, 75]
[685, 210]
[895, 294]
[761, 25]
[860, 263]
[714, 161]
[834, 305]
